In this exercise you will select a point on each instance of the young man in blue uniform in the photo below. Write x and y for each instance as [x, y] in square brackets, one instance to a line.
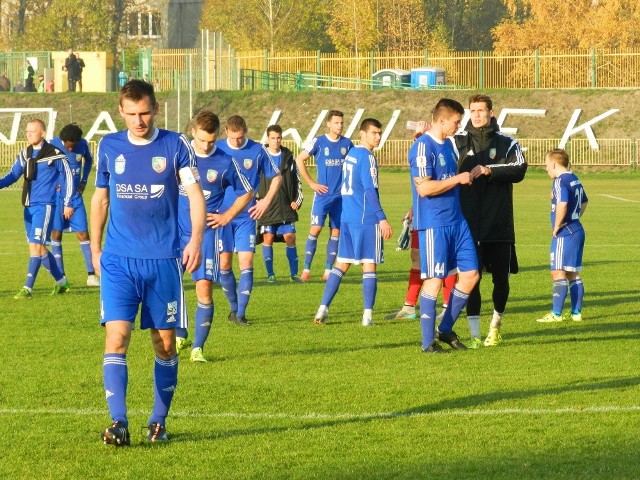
[80, 160]
[328, 151]
[217, 171]
[568, 204]
[139, 171]
[43, 167]
[363, 225]
[240, 234]
[445, 241]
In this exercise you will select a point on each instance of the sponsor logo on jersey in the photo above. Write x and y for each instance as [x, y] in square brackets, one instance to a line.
[212, 175]
[207, 194]
[333, 162]
[441, 159]
[120, 163]
[156, 191]
[172, 308]
[343, 150]
[247, 163]
[326, 151]
[159, 164]
[492, 153]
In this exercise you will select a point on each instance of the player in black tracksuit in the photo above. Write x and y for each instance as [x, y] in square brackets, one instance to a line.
[496, 162]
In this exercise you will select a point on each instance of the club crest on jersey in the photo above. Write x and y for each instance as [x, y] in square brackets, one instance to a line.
[441, 159]
[78, 157]
[492, 153]
[343, 151]
[326, 151]
[212, 175]
[247, 163]
[159, 164]
[172, 308]
[120, 163]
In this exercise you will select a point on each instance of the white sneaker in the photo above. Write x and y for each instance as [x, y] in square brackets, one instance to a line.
[367, 322]
[321, 316]
[93, 281]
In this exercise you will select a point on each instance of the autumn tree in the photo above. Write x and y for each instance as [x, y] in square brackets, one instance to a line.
[353, 25]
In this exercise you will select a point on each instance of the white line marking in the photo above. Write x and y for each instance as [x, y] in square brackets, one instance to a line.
[619, 198]
[343, 416]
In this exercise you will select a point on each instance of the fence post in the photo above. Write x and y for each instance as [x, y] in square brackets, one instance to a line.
[426, 57]
[537, 68]
[481, 70]
[372, 65]
[593, 68]
[318, 69]
[266, 59]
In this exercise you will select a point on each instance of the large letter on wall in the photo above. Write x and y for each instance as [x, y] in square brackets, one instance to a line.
[571, 129]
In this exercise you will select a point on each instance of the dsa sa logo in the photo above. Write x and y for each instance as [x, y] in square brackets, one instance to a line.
[159, 164]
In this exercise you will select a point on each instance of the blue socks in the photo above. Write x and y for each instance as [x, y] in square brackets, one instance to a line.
[332, 285]
[86, 253]
[56, 249]
[369, 288]
[576, 290]
[560, 288]
[310, 251]
[116, 376]
[267, 254]
[50, 265]
[427, 318]
[165, 376]
[228, 283]
[457, 301]
[203, 320]
[32, 271]
[332, 252]
[292, 258]
[245, 285]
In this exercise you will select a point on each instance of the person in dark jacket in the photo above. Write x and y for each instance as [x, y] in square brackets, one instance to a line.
[72, 67]
[278, 222]
[495, 162]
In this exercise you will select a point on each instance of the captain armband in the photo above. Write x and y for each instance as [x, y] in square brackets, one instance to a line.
[188, 176]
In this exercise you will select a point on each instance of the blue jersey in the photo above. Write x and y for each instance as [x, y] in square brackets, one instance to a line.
[143, 180]
[437, 160]
[50, 170]
[360, 201]
[217, 172]
[329, 156]
[80, 160]
[253, 161]
[567, 189]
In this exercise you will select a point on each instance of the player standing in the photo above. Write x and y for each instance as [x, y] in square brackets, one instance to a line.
[445, 240]
[363, 225]
[568, 204]
[328, 151]
[138, 174]
[80, 160]
[240, 234]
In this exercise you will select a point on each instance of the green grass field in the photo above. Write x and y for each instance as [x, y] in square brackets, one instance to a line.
[287, 399]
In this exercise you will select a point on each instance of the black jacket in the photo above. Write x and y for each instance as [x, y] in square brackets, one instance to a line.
[290, 191]
[487, 204]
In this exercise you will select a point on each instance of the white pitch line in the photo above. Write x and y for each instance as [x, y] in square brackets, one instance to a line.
[344, 416]
[619, 198]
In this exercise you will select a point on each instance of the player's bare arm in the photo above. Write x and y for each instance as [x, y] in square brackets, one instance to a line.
[215, 220]
[98, 219]
[427, 187]
[304, 173]
[257, 211]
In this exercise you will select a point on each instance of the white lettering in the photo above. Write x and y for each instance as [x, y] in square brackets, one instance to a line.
[585, 126]
[103, 117]
[536, 112]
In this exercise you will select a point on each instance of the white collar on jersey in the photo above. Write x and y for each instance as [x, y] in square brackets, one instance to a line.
[331, 140]
[156, 131]
[203, 155]
[246, 140]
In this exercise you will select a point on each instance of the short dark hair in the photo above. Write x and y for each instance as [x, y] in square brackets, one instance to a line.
[71, 133]
[481, 98]
[137, 90]
[274, 128]
[236, 123]
[446, 107]
[559, 155]
[334, 113]
[207, 120]
[369, 122]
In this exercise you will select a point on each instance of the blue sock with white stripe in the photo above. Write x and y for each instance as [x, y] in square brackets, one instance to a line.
[116, 377]
[85, 248]
[182, 332]
[576, 290]
[332, 285]
[203, 319]
[245, 285]
[427, 318]
[56, 250]
[228, 283]
[32, 271]
[369, 289]
[457, 301]
[310, 251]
[50, 265]
[292, 257]
[560, 288]
[332, 251]
[267, 254]
[165, 381]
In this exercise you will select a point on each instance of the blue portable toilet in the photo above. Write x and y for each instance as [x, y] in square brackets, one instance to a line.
[427, 77]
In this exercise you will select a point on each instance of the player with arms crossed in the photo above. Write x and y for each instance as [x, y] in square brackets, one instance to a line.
[138, 174]
[568, 204]
[363, 225]
[445, 241]
[217, 171]
[80, 160]
[240, 234]
[328, 151]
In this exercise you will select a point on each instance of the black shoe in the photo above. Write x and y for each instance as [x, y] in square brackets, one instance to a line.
[435, 347]
[242, 322]
[117, 434]
[156, 433]
[452, 340]
[232, 316]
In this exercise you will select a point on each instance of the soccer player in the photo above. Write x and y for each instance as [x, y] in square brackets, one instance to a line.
[240, 234]
[217, 171]
[363, 224]
[328, 151]
[568, 204]
[80, 160]
[138, 174]
[445, 241]
[42, 166]
[279, 219]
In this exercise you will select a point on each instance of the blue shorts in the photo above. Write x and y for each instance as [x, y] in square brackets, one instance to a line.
[38, 221]
[360, 244]
[324, 205]
[209, 268]
[239, 236]
[279, 229]
[447, 250]
[566, 252]
[125, 283]
[77, 222]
